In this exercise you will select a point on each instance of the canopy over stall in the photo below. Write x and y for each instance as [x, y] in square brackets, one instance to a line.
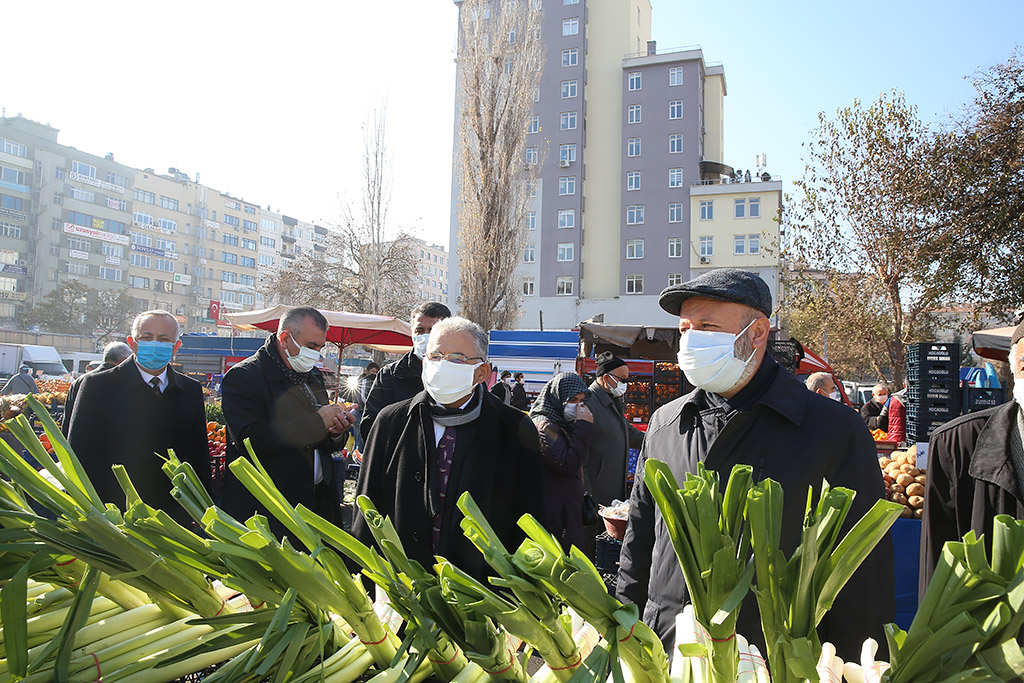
[379, 332]
[993, 343]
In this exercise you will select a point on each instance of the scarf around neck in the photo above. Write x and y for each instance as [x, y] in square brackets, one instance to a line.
[454, 417]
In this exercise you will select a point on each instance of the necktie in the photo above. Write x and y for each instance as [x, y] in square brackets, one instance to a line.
[445, 452]
[155, 383]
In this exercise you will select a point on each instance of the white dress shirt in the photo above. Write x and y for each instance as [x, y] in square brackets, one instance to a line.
[148, 377]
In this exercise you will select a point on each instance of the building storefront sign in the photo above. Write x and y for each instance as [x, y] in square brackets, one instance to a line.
[95, 182]
[12, 269]
[73, 229]
[74, 253]
[11, 213]
[13, 296]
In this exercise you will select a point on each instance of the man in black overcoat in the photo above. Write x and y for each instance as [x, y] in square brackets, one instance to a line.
[276, 399]
[133, 413]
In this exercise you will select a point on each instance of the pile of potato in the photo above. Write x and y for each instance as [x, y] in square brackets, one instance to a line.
[904, 482]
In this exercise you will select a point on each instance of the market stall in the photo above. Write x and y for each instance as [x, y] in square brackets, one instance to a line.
[383, 333]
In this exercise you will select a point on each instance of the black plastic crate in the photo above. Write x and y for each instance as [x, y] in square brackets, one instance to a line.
[939, 390]
[920, 430]
[977, 398]
[949, 408]
[638, 391]
[666, 373]
[933, 352]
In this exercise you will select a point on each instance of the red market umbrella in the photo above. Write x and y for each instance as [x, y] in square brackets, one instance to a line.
[383, 333]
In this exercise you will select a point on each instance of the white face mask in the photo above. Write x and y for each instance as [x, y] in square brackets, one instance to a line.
[447, 382]
[571, 411]
[305, 360]
[419, 344]
[708, 359]
[619, 389]
[508, 381]
[836, 396]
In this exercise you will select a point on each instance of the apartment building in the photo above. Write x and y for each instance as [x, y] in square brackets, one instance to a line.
[431, 271]
[171, 241]
[627, 131]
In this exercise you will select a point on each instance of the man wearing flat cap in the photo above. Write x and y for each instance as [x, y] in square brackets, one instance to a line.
[746, 409]
[604, 472]
[975, 470]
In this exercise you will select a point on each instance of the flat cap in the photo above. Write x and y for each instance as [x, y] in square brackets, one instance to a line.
[1018, 334]
[724, 284]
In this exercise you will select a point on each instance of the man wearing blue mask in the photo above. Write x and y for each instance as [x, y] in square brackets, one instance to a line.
[400, 380]
[276, 399]
[132, 413]
[746, 409]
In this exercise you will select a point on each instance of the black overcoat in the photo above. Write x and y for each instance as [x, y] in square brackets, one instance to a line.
[396, 381]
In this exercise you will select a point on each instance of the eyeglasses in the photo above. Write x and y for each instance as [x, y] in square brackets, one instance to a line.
[457, 358]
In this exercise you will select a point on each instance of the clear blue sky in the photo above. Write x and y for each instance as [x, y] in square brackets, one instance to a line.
[786, 61]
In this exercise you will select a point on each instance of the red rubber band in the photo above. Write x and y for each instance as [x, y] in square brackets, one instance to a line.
[457, 653]
[61, 564]
[571, 666]
[631, 634]
[722, 640]
[99, 674]
[511, 663]
[262, 604]
[377, 643]
[222, 603]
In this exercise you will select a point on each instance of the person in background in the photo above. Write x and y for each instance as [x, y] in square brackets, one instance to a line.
[133, 413]
[277, 400]
[566, 428]
[114, 354]
[502, 389]
[873, 408]
[747, 410]
[975, 470]
[401, 379]
[892, 413]
[604, 472]
[22, 383]
[455, 436]
[519, 398]
[363, 385]
[825, 384]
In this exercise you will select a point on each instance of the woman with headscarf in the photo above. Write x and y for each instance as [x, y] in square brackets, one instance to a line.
[565, 425]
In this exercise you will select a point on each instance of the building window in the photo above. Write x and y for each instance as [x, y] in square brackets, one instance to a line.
[707, 210]
[675, 279]
[567, 218]
[231, 220]
[675, 109]
[249, 280]
[83, 169]
[528, 286]
[141, 260]
[266, 260]
[529, 254]
[568, 120]
[571, 27]
[533, 126]
[531, 220]
[635, 214]
[248, 226]
[168, 224]
[145, 196]
[268, 242]
[635, 80]
[570, 2]
[740, 208]
[754, 207]
[675, 247]
[675, 143]
[566, 252]
[168, 203]
[675, 177]
[634, 249]
[675, 213]
[675, 75]
[570, 57]
[141, 218]
[634, 284]
[569, 89]
[567, 185]
[632, 181]
[13, 148]
[227, 276]
[78, 269]
[78, 244]
[268, 224]
[531, 155]
[753, 244]
[142, 240]
[707, 246]
[563, 285]
[230, 240]
[249, 244]
[531, 188]
[116, 203]
[11, 230]
[567, 152]
[138, 282]
[739, 244]
[633, 147]
[247, 262]
[82, 195]
[164, 264]
[228, 257]
[633, 113]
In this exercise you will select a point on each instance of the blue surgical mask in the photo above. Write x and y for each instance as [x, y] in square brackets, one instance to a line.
[154, 355]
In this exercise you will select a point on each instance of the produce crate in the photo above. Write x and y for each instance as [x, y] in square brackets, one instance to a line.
[925, 353]
[667, 373]
[638, 412]
[941, 390]
[920, 430]
[946, 409]
[977, 398]
[786, 353]
[638, 391]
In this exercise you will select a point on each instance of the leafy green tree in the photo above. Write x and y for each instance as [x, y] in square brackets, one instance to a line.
[111, 313]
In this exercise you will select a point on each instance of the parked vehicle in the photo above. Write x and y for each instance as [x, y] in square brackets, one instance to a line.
[538, 354]
[45, 358]
[76, 362]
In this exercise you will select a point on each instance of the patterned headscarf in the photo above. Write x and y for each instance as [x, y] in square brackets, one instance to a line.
[550, 403]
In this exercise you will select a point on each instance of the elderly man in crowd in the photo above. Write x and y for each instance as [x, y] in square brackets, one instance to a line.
[276, 399]
[131, 412]
[823, 383]
[114, 354]
[975, 470]
[455, 436]
[747, 410]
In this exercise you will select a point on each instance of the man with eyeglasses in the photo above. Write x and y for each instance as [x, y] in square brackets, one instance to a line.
[452, 437]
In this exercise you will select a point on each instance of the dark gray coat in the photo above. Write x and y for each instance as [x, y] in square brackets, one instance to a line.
[797, 438]
[395, 382]
[604, 472]
[971, 479]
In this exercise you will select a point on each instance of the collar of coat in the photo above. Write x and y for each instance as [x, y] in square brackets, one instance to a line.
[269, 367]
[990, 460]
[407, 366]
[129, 373]
[786, 396]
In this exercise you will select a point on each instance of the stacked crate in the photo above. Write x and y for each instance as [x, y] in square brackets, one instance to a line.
[933, 396]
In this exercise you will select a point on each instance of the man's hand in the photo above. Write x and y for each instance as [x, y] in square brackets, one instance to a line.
[336, 419]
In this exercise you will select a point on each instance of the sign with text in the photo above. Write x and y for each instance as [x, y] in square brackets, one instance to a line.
[72, 229]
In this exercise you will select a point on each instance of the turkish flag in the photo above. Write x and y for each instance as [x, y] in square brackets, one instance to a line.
[215, 310]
